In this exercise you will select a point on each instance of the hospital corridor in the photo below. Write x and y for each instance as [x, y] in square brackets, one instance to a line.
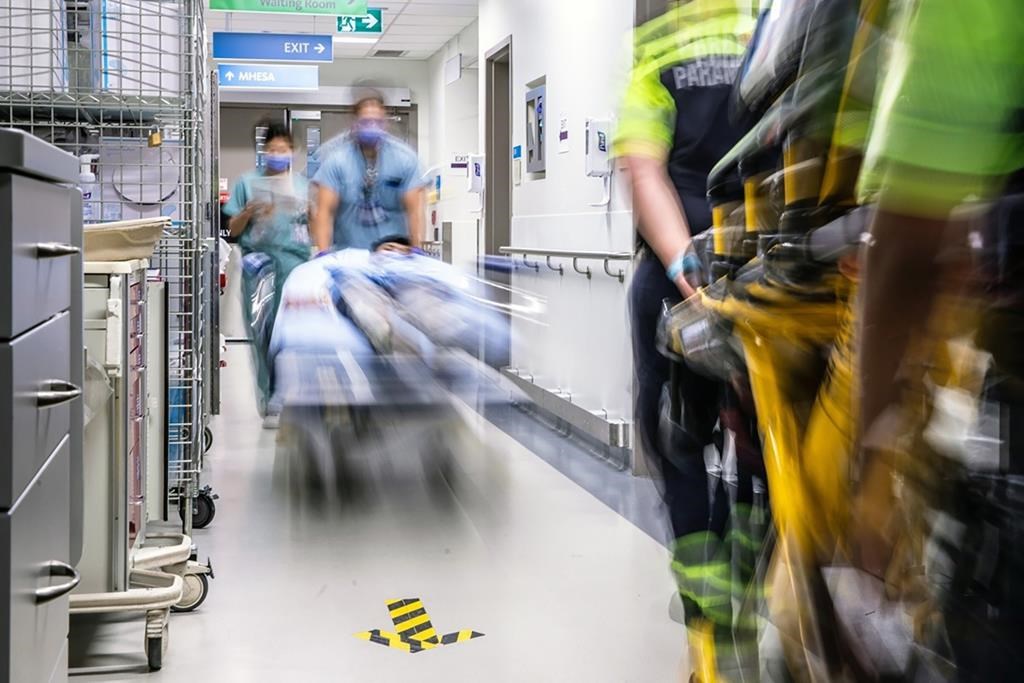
[511, 341]
[516, 550]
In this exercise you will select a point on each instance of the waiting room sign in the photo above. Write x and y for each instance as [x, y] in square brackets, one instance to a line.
[330, 7]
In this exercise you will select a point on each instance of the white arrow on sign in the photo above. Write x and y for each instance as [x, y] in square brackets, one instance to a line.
[369, 21]
[320, 48]
[230, 76]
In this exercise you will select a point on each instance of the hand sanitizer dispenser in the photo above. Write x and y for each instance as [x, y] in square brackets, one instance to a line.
[476, 178]
[598, 144]
[598, 155]
[476, 173]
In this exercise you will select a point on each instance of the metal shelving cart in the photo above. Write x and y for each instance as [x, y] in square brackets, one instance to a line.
[125, 86]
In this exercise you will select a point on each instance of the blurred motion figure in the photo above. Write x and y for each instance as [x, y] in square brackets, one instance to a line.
[268, 211]
[674, 126]
[948, 135]
[369, 185]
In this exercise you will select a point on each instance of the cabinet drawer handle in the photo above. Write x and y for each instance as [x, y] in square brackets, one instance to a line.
[58, 568]
[56, 249]
[59, 392]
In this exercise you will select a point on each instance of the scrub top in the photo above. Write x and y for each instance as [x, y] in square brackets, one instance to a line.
[287, 229]
[371, 198]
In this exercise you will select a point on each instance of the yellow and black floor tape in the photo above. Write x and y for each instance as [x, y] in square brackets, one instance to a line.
[414, 631]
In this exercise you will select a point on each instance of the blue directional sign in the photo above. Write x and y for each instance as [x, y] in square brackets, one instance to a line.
[268, 76]
[273, 47]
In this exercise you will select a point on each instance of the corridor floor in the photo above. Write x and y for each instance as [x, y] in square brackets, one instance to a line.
[563, 587]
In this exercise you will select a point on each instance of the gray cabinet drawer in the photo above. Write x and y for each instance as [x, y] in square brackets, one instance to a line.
[35, 239]
[36, 414]
[33, 535]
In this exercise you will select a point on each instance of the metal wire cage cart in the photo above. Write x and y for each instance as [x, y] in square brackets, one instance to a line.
[125, 86]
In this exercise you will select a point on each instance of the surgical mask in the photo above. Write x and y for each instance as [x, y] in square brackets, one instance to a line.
[277, 162]
[369, 132]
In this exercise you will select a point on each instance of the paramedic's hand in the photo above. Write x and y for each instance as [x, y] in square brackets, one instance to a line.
[685, 288]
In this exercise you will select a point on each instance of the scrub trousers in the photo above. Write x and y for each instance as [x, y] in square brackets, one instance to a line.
[285, 261]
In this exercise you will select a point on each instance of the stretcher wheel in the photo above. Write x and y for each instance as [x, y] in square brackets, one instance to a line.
[207, 439]
[196, 588]
[155, 648]
[203, 510]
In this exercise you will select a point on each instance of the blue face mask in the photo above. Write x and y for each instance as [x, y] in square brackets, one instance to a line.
[369, 132]
[277, 162]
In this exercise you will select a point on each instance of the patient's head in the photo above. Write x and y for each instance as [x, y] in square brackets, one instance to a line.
[393, 244]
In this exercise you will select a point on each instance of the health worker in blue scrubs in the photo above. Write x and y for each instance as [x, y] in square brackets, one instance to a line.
[369, 186]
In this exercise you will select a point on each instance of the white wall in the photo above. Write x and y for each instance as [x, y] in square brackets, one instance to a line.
[581, 49]
[454, 129]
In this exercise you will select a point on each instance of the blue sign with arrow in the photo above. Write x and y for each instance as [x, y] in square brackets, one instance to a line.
[273, 47]
[268, 76]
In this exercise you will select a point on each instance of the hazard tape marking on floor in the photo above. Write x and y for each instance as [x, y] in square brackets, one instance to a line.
[414, 630]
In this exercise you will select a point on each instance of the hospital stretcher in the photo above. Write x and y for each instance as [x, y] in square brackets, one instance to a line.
[374, 383]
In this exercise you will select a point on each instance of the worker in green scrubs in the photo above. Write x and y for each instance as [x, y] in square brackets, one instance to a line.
[268, 209]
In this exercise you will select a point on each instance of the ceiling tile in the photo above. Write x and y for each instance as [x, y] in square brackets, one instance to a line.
[411, 44]
[418, 31]
[432, 20]
[440, 10]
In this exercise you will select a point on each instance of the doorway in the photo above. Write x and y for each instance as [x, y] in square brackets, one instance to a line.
[498, 170]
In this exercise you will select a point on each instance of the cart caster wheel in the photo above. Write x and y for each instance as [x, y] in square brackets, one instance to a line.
[196, 588]
[155, 648]
[203, 510]
[207, 439]
[155, 653]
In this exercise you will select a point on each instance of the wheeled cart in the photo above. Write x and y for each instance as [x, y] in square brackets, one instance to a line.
[128, 565]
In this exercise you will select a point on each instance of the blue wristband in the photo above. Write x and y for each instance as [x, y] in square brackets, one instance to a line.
[684, 265]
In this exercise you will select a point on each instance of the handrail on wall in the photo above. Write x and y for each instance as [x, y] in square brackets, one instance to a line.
[576, 256]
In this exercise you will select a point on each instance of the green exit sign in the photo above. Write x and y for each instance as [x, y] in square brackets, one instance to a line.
[334, 7]
[371, 22]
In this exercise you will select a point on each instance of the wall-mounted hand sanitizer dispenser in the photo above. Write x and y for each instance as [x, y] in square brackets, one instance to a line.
[598, 146]
[476, 173]
[598, 155]
[476, 179]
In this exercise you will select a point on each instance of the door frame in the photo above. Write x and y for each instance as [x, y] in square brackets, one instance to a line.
[499, 103]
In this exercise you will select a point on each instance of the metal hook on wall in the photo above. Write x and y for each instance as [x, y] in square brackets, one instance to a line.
[560, 270]
[620, 276]
[526, 262]
[576, 267]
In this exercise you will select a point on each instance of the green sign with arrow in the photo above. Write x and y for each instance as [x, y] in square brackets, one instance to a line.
[331, 7]
[371, 22]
